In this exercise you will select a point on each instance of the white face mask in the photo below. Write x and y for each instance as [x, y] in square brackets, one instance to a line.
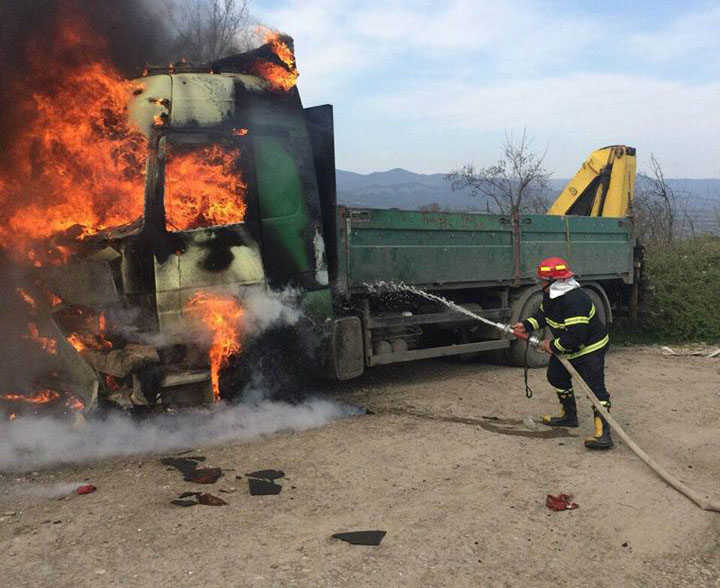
[560, 287]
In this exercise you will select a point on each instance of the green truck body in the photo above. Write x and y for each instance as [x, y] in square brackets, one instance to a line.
[295, 234]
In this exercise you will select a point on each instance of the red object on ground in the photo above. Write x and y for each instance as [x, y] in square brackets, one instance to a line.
[86, 489]
[560, 502]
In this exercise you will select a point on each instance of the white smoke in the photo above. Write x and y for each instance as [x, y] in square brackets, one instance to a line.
[31, 443]
[44, 491]
[266, 308]
[263, 308]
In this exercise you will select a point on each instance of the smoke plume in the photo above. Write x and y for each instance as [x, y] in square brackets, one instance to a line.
[41, 442]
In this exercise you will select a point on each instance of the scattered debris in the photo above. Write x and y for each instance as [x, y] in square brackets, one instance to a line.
[211, 500]
[200, 498]
[184, 502]
[204, 475]
[361, 537]
[695, 350]
[188, 467]
[86, 489]
[263, 487]
[184, 465]
[266, 474]
[560, 502]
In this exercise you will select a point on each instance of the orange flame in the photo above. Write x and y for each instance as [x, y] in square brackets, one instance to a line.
[74, 403]
[77, 164]
[53, 299]
[204, 188]
[90, 161]
[29, 300]
[223, 317]
[280, 78]
[12, 417]
[76, 341]
[47, 343]
[42, 397]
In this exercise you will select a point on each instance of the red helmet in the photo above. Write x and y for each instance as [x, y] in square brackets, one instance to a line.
[553, 268]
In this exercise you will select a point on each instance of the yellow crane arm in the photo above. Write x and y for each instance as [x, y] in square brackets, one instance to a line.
[603, 186]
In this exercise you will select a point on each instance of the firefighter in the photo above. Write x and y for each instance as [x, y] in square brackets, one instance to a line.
[580, 336]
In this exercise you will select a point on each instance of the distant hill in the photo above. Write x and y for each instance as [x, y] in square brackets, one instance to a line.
[399, 188]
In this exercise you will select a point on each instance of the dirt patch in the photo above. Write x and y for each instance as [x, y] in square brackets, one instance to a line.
[444, 466]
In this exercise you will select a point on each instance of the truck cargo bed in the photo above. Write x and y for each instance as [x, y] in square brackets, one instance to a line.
[447, 250]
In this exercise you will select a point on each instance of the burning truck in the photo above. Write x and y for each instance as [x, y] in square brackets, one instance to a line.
[140, 214]
[149, 207]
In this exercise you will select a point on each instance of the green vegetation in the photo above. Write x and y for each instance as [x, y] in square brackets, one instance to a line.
[682, 301]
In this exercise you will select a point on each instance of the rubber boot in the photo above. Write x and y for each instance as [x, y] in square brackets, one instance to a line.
[568, 416]
[602, 438]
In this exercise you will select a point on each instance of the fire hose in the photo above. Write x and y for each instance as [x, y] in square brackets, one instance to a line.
[703, 502]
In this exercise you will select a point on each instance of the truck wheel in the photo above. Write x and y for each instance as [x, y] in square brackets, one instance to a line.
[535, 359]
[272, 367]
[598, 303]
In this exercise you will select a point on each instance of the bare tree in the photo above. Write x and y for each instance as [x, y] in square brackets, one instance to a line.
[208, 30]
[516, 183]
[654, 206]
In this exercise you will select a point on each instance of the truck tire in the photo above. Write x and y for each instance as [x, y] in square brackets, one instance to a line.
[598, 303]
[274, 366]
[517, 350]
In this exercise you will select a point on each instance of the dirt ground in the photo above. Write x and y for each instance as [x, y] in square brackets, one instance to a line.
[444, 465]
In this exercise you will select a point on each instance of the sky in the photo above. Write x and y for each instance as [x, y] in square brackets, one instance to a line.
[430, 86]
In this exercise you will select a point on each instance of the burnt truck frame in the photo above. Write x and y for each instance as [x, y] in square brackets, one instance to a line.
[296, 235]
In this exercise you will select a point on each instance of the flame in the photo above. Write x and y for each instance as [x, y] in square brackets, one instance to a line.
[42, 397]
[76, 341]
[53, 299]
[74, 402]
[47, 343]
[223, 317]
[203, 188]
[29, 300]
[92, 329]
[280, 78]
[84, 341]
[77, 164]
[240, 132]
[12, 417]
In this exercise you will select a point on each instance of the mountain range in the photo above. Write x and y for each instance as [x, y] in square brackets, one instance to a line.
[406, 190]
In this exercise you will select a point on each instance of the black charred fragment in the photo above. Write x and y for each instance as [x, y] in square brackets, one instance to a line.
[263, 487]
[210, 500]
[361, 537]
[184, 503]
[204, 475]
[185, 465]
[267, 474]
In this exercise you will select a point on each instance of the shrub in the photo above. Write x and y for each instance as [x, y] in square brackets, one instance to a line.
[683, 301]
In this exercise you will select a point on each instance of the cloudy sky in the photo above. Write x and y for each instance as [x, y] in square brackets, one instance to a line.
[429, 86]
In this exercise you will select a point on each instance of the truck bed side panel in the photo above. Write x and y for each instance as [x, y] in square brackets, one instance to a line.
[446, 250]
